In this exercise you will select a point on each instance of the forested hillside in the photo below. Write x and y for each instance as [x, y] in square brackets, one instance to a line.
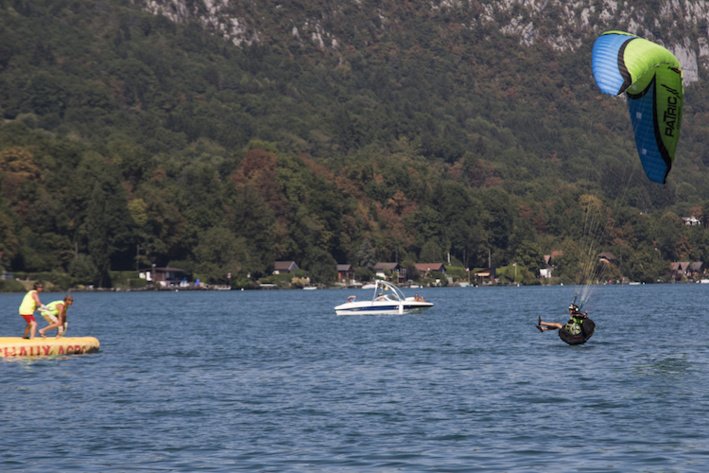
[131, 138]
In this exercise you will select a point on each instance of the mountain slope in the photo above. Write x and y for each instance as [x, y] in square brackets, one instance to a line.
[222, 135]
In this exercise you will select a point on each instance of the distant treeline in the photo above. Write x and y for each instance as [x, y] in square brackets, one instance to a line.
[128, 140]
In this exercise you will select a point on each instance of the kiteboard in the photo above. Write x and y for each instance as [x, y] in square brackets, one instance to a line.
[22, 347]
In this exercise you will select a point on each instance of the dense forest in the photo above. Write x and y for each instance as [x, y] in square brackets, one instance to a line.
[129, 140]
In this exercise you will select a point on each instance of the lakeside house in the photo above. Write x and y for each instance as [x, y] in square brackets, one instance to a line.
[691, 221]
[397, 273]
[549, 264]
[162, 276]
[485, 275]
[345, 274]
[607, 257]
[680, 269]
[697, 270]
[427, 268]
[285, 267]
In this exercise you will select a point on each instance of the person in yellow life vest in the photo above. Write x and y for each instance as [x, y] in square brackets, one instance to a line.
[55, 314]
[29, 304]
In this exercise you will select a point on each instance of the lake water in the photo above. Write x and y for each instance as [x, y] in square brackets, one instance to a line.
[274, 381]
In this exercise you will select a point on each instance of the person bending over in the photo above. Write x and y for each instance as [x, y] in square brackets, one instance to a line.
[55, 314]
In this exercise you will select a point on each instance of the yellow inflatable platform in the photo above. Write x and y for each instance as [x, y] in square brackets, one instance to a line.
[50, 346]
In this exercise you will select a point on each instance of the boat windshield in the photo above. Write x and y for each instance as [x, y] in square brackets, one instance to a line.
[387, 292]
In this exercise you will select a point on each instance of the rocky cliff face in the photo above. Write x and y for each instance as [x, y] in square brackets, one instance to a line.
[681, 26]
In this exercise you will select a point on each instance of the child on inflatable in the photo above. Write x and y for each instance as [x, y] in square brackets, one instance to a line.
[55, 314]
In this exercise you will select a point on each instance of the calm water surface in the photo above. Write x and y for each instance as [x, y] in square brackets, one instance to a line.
[274, 381]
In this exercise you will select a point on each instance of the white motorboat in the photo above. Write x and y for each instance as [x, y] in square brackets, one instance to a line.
[386, 299]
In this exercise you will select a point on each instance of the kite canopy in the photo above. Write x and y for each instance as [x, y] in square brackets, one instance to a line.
[651, 78]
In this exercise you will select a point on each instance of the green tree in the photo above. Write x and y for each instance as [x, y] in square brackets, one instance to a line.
[321, 266]
[501, 221]
[668, 232]
[97, 235]
[366, 256]
[9, 243]
[219, 253]
[431, 253]
[644, 264]
[251, 219]
[569, 263]
[83, 270]
[427, 225]
[530, 255]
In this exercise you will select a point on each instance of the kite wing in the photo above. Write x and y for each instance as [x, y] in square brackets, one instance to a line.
[651, 78]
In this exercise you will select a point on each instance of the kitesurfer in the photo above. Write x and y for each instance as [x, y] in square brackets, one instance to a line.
[577, 330]
[56, 316]
[29, 304]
